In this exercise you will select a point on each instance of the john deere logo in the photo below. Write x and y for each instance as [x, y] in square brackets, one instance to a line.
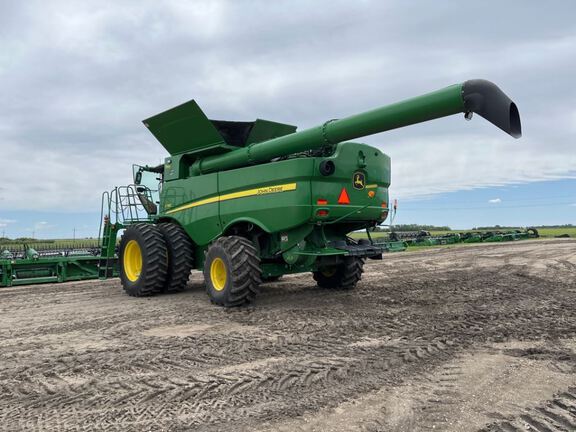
[359, 180]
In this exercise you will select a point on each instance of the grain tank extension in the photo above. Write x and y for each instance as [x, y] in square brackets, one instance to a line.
[247, 202]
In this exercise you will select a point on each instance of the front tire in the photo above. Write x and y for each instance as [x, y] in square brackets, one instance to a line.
[143, 259]
[232, 271]
[343, 276]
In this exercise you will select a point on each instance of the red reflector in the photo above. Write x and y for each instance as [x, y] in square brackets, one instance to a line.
[384, 204]
[343, 198]
[322, 213]
[322, 202]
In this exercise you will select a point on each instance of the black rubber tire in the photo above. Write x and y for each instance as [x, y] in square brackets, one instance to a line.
[242, 265]
[180, 256]
[344, 276]
[154, 260]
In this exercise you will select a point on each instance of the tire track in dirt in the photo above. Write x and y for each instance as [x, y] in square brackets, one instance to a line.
[176, 362]
[557, 414]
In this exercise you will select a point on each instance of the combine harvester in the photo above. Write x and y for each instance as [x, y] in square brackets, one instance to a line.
[247, 202]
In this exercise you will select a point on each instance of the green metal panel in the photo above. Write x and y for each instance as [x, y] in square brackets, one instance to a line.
[184, 128]
[349, 159]
[175, 168]
[201, 222]
[270, 208]
[264, 130]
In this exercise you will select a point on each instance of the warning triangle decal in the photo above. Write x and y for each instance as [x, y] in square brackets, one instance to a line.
[343, 198]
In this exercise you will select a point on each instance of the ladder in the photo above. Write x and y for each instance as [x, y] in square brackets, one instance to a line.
[120, 207]
[107, 266]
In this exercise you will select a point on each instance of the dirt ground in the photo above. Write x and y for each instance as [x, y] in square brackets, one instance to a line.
[461, 339]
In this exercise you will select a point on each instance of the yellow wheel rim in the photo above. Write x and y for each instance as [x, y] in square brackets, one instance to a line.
[132, 260]
[218, 274]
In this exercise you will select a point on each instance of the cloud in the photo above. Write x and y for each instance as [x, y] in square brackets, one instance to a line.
[5, 222]
[42, 226]
[495, 201]
[77, 78]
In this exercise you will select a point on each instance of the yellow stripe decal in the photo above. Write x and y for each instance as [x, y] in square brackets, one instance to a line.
[242, 194]
[371, 186]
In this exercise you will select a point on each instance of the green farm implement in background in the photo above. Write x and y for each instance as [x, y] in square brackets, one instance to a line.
[424, 238]
[24, 265]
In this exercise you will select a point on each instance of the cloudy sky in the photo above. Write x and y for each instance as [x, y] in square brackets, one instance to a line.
[77, 78]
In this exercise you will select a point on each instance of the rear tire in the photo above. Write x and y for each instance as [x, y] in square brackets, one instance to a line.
[232, 271]
[143, 259]
[180, 256]
[343, 276]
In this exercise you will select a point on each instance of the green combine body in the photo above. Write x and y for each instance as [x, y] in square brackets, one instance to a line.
[247, 202]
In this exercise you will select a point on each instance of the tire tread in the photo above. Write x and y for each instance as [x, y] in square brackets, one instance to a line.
[180, 256]
[154, 252]
[347, 275]
[245, 271]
